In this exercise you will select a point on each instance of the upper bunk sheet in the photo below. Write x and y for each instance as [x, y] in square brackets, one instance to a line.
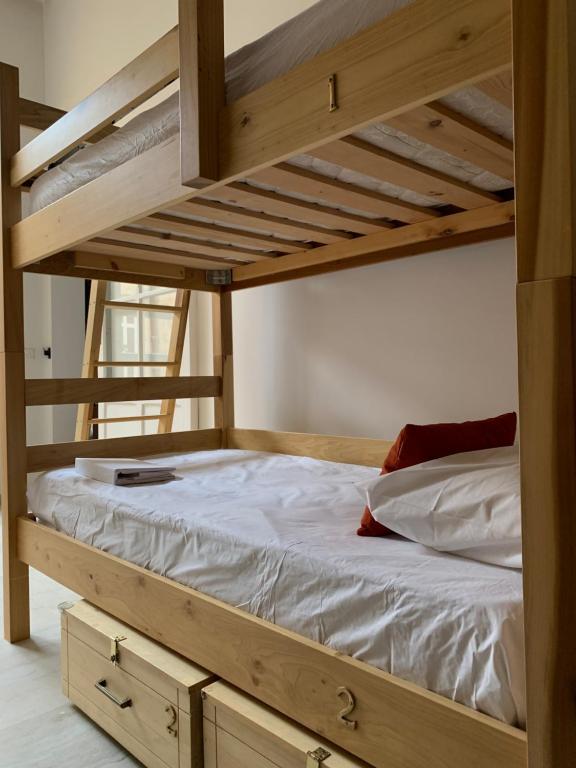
[317, 29]
[275, 536]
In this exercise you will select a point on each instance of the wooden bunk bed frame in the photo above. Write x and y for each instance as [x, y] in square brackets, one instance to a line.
[125, 226]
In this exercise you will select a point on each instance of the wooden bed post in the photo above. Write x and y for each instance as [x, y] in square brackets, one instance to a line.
[12, 408]
[201, 29]
[223, 362]
[545, 104]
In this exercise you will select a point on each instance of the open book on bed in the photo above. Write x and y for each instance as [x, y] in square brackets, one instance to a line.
[124, 471]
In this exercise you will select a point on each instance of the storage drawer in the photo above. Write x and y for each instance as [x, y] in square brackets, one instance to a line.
[239, 732]
[147, 698]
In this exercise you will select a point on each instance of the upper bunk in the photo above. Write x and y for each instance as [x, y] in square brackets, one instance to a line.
[355, 132]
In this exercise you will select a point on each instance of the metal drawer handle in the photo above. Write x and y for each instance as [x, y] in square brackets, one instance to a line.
[103, 688]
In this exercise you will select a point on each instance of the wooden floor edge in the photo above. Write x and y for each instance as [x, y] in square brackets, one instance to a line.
[296, 676]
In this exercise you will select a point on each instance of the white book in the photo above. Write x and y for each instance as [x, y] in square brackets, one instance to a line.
[124, 471]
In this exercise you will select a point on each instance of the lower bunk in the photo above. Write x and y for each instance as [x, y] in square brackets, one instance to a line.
[295, 597]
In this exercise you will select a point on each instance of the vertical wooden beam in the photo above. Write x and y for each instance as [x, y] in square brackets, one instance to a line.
[175, 350]
[223, 361]
[545, 144]
[201, 26]
[12, 406]
[93, 340]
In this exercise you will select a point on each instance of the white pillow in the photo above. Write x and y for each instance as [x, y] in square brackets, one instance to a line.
[467, 504]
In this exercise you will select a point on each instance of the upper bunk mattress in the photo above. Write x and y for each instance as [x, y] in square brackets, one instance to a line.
[319, 28]
[275, 536]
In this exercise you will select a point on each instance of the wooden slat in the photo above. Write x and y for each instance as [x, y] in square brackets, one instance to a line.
[389, 241]
[300, 210]
[346, 450]
[370, 160]
[142, 307]
[400, 724]
[169, 241]
[133, 85]
[500, 88]
[39, 116]
[45, 457]
[223, 357]
[202, 96]
[293, 179]
[119, 390]
[92, 344]
[12, 410]
[125, 419]
[155, 254]
[266, 222]
[547, 371]
[545, 130]
[162, 222]
[446, 129]
[420, 53]
[134, 364]
[92, 266]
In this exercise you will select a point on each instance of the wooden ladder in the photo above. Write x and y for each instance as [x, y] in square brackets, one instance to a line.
[91, 363]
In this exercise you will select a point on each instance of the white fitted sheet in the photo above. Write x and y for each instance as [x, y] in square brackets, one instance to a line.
[275, 536]
[317, 29]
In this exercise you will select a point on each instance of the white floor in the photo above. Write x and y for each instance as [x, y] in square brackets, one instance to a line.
[39, 728]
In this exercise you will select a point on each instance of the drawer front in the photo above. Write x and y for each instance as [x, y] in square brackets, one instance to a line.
[134, 707]
[240, 732]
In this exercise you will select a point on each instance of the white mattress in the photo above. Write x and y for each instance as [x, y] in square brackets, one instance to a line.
[317, 29]
[275, 535]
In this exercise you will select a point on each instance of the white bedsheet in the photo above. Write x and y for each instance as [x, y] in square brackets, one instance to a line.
[317, 29]
[275, 535]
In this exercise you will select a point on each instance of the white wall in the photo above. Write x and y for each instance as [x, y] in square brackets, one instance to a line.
[357, 352]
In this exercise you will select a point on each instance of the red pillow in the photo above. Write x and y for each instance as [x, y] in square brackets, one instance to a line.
[418, 443]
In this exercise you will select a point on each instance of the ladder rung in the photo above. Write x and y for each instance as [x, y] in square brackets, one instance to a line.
[133, 364]
[121, 419]
[142, 307]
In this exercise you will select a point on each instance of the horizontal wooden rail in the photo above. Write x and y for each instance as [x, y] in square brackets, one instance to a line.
[142, 307]
[93, 266]
[34, 114]
[133, 85]
[127, 419]
[346, 450]
[384, 244]
[134, 364]
[45, 457]
[399, 724]
[119, 390]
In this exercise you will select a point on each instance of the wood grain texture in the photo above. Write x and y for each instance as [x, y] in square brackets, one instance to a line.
[198, 230]
[382, 242]
[281, 226]
[132, 86]
[202, 96]
[454, 133]
[91, 266]
[223, 357]
[360, 156]
[55, 455]
[399, 723]
[39, 116]
[414, 56]
[547, 371]
[12, 409]
[264, 731]
[346, 450]
[293, 179]
[298, 210]
[500, 88]
[545, 128]
[175, 352]
[157, 254]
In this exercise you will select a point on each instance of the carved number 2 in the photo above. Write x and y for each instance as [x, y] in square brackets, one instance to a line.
[350, 702]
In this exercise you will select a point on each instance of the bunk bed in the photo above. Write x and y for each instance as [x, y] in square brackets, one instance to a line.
[271, 184]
